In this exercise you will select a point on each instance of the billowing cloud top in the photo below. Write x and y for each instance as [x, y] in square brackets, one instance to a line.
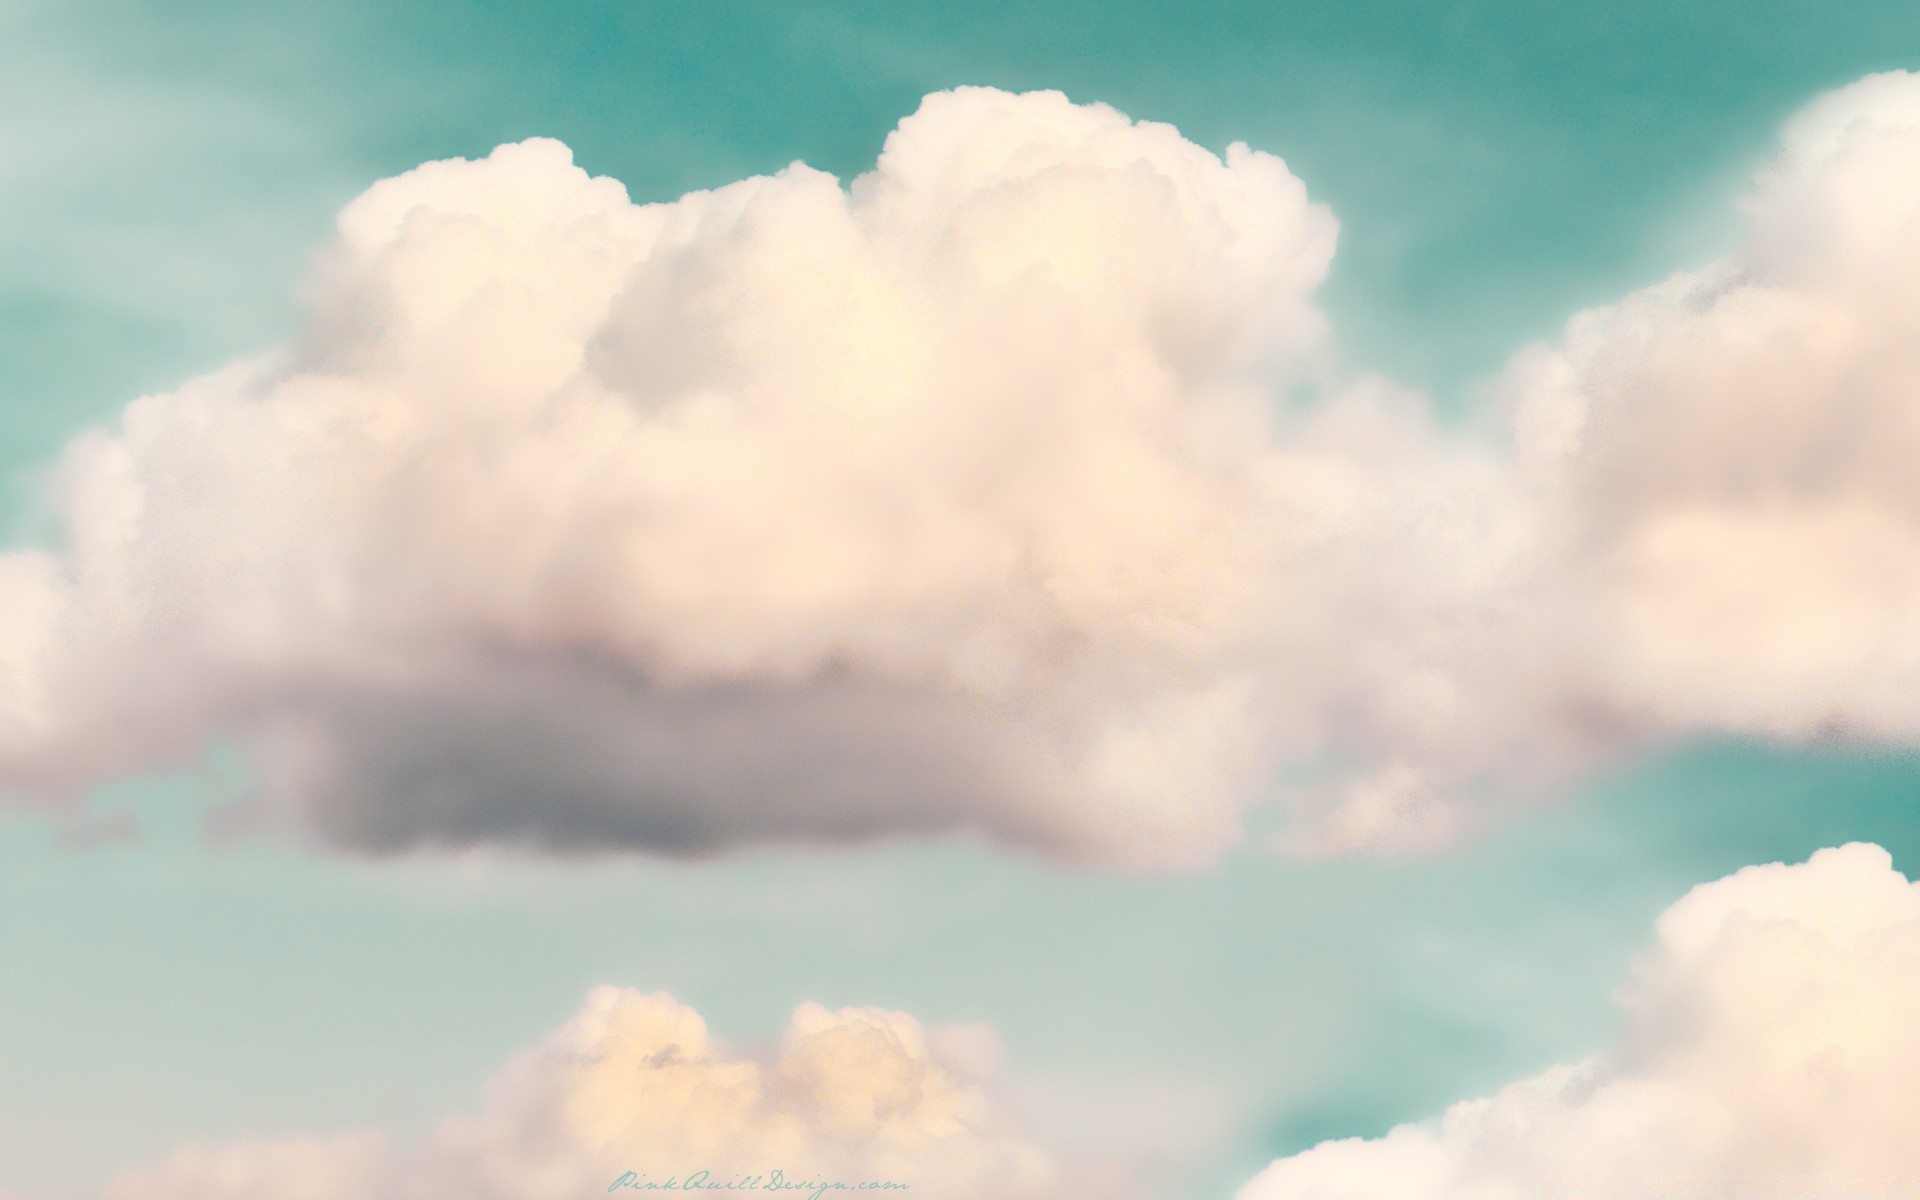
[965, 498]
[635, 1084]
[1770, 1054]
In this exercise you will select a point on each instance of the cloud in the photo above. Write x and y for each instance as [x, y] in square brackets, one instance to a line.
[1719, 529]
[1726, 455]
[1014, 489]
[952, 500]
[635, 1083]
[1770, 1052]
[350, 1167]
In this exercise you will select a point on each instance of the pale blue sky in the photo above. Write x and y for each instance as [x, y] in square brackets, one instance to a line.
[165, 171]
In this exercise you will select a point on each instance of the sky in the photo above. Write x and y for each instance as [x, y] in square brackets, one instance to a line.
[168, 178]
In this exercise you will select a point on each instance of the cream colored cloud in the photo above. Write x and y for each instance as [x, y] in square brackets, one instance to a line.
[1769, 1054]
[1728, 454]
[635, 1083]
[1011, 489]
[955, 499]
[1718, 524]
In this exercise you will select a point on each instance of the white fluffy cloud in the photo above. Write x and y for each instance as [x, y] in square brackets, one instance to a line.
[1770, 1054]
[952, 500]
[971, 497]
[1729, 454]
[634, 1083]
[1719, 519]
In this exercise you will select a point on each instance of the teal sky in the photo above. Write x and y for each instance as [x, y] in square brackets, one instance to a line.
[165, 171]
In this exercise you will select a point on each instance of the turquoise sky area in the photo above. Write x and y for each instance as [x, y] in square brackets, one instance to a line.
[166, 171]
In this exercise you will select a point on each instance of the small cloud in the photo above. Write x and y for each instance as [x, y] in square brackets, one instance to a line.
[635, 1083]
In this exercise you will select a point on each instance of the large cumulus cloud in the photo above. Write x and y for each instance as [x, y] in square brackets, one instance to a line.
[1014, 488]
[635, 1083]
[952, 500]
[1770, 1054]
